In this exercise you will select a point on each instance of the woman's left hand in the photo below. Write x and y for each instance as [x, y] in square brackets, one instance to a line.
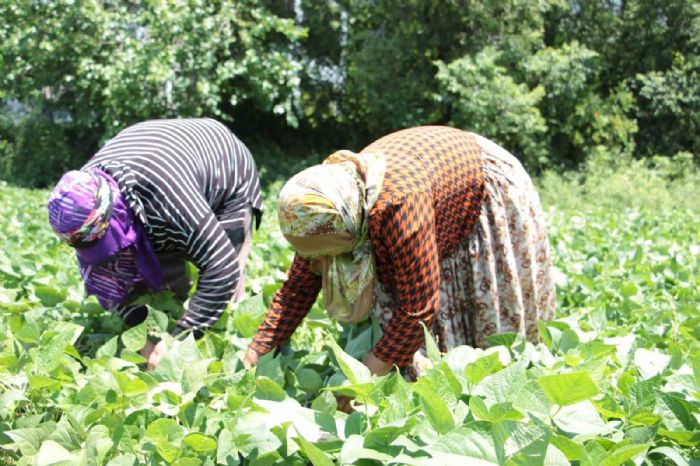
[154, 353]
[377, 366]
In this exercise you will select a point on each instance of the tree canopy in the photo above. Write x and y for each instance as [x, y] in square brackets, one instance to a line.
[554, 81]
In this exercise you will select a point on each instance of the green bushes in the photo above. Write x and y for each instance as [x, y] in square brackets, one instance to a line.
[554, 81]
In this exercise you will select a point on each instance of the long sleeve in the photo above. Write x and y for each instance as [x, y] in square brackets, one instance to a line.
[213, 254]
[406, 247]
[290, 305]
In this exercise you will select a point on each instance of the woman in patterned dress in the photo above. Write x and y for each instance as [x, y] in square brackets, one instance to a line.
[428, 225]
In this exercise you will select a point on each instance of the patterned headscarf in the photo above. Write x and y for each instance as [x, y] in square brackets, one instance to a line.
[116, 258]
[323, 212]
[80, 206]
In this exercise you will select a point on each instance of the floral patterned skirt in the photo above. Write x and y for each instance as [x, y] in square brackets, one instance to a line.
[499, 279]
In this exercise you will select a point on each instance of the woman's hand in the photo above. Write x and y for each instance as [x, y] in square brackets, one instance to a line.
[250, 359]
[344, 404]
[377, 366]
[154, 352]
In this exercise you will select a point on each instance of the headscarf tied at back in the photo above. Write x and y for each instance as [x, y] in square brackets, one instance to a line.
[323, 212]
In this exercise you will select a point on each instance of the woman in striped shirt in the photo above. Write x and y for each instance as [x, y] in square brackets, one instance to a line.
[428, 225]
[158, 194]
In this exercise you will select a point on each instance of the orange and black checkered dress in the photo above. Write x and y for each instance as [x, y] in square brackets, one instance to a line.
[430, 200]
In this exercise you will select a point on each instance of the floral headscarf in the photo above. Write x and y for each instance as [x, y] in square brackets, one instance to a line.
[323, 212]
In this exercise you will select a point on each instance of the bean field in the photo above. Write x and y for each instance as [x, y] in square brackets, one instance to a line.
[615, 380]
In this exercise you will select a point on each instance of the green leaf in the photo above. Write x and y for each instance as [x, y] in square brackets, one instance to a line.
[313, 453]
[354, 370]
[620, 454]
[650, 363]
[226, 451]
[267, 389]
[672, 454]
[569, 340]
[269, 366]
[571, 449]
[479, 408]
[581, 418]
[431, 346]
[434, 407]
[166, 435]
[109, 349]
[532, 398]
[51, 453]
[569, 388]
[482, 367]
[50, 295]
[502, 386]
[134, 339]
[200, 443]
[309, 380]
[512, 437]
[325, 403]
[505, 339]
[29, 440]
[356, 424]
[465, 446]
[123, 460]
[593, 454]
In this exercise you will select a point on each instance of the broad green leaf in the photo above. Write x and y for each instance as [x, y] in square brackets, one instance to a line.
[650, 363]
[473, 446]
[356, 424]
[353, 450]
[571, 449]
[269, 366]
[593, 454]
[581, 418]
[569, 388]
[533, 399]
[505, 339]
[51, 453]
[29, 440]
[555, 457]
[50, 295]
[199, 442]
[434, 407]
[166, 435]
[187, 461]
[641, 435]
[313, 453]
[267, 389]
[479, 409]
[226, 451]
[569, 340]
[672, 454]
[482, 367]
[325, 402]
[123, 460]
[135, 338]
[109, 349]
[309, 380]
[354, 370]
[619, 455]
[512, 437]
[504, 384]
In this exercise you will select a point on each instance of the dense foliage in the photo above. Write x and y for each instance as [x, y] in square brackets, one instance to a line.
[616, 380]
[553, 80]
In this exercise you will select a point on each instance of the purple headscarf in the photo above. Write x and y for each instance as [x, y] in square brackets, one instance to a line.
[116, 258]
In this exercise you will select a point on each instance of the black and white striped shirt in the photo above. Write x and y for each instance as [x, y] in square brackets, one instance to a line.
[187, 180]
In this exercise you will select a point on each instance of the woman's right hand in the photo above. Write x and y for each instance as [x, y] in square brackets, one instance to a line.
[250, 359]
